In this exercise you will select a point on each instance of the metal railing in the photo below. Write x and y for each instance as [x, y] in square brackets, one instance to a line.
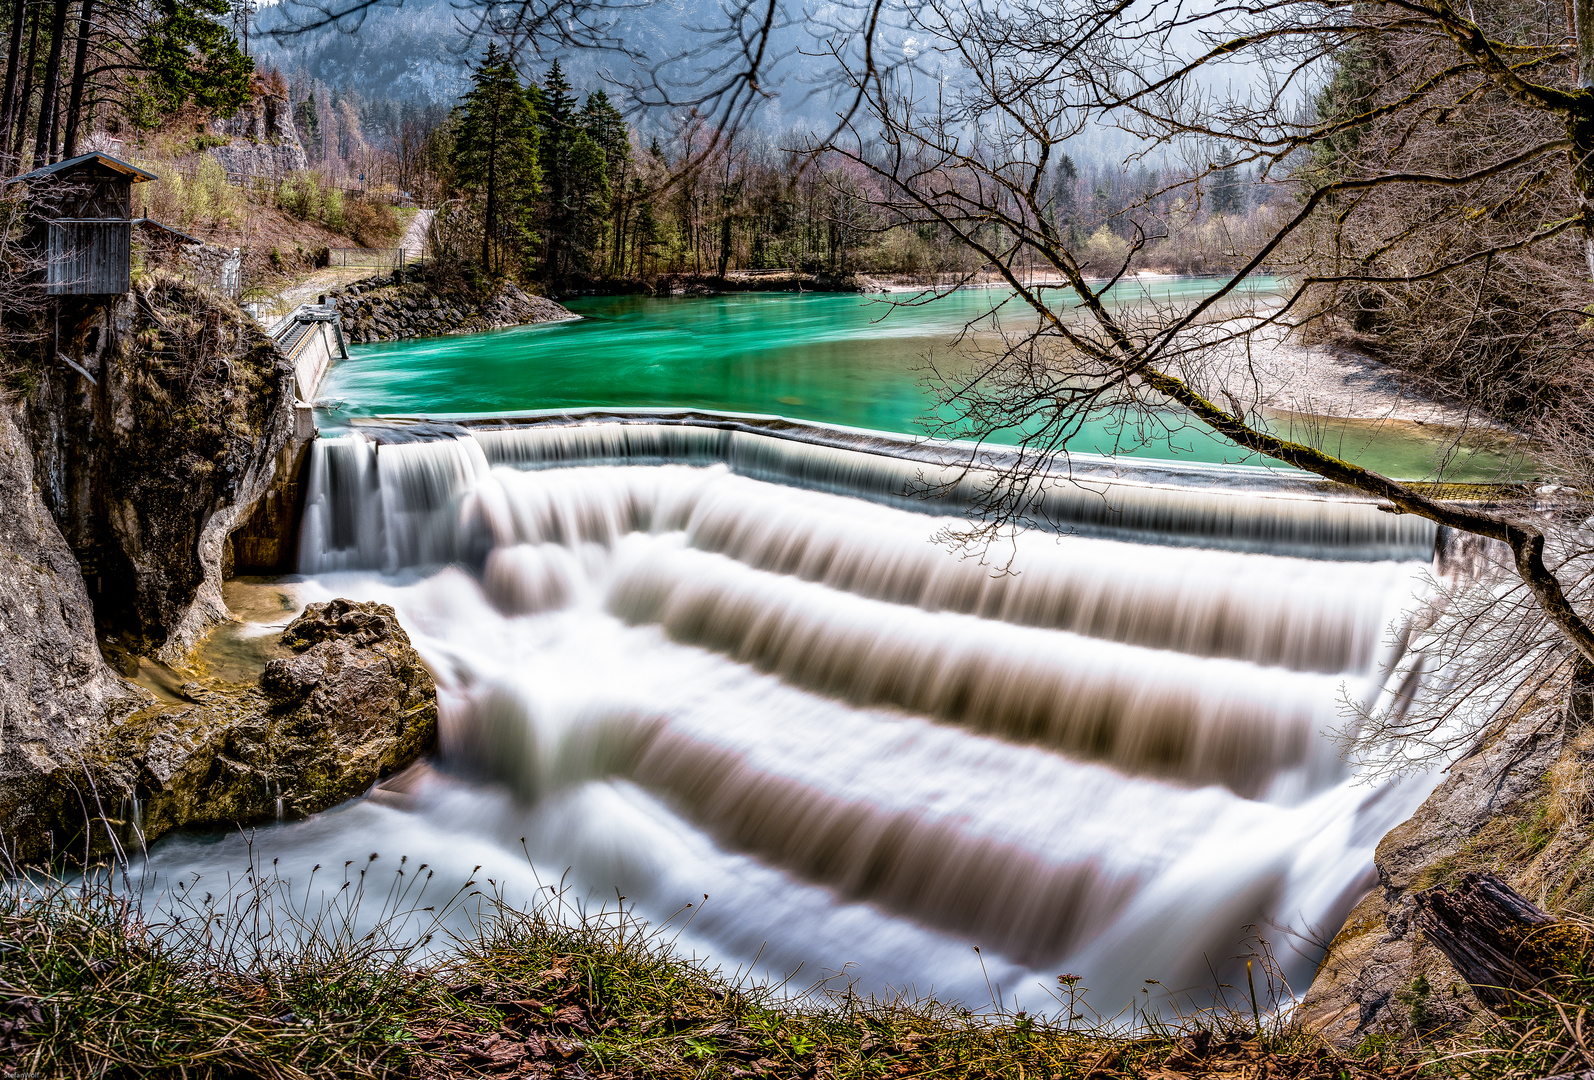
[378, 259]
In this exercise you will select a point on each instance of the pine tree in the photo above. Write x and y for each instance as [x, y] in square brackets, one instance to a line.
[608, 130]
[588, 191]
[1228, 190]
[496, 154]
[556, 123]
[307, 118]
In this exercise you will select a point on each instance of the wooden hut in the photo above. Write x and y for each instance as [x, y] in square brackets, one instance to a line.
[83, 210]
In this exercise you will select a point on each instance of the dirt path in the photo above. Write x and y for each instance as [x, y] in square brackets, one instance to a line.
[414, 242]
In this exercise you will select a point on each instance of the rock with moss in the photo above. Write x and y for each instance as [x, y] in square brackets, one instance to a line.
[352, 703]
[1381, 978]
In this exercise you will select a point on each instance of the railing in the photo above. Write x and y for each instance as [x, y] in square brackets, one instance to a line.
[379, 259]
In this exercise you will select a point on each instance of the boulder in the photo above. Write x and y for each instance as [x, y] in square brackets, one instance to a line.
[351, 703]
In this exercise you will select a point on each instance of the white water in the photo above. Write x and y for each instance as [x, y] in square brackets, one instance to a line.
[867, 749]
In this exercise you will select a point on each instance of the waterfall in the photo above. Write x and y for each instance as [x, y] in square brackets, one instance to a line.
[678, 659]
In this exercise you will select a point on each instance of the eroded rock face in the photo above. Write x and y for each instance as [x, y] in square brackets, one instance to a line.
[148, 471]
[1381, 976]
[56, 693]
[352, 704]
[264, 139]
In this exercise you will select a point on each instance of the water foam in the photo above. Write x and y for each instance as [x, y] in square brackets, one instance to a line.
[1099, 756]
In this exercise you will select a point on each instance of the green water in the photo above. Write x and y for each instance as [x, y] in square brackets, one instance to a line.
[836, 358]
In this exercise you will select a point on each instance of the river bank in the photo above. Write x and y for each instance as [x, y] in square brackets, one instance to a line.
[550, 992]
[586, 992]
[411, 303]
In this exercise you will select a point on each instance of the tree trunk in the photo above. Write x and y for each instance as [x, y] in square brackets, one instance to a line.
[51, 87]
[490, 212]
[8, 107]
[1498, 941]
[20, 134]
[1583, 29]
[74, 109]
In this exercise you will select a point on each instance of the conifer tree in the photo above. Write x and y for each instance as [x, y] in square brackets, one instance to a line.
[307, 118]
[556, 123]
[608, 130]
[496, 155]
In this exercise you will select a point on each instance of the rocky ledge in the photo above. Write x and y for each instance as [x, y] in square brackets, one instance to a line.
[1517, 805]
[349, 703]
[407, 305]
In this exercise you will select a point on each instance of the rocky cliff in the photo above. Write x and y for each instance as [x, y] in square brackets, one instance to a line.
[130, 449]
[262, 140]
[153, 449]
[55, 689]
[1520, 805]
[407, 304]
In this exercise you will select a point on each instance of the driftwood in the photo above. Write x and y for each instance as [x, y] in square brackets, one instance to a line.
[1498, 941]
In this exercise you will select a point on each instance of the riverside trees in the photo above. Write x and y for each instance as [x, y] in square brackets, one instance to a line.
[495, 157]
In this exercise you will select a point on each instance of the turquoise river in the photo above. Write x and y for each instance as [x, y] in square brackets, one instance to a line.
[834, 358]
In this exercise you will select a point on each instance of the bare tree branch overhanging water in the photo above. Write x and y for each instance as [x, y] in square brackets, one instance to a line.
[1429, 180]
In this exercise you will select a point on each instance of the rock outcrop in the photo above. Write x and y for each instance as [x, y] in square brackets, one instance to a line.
[1381, 977]
[56, 692]
[149, 467]
[262, 139]
[407, 305]
[349, 703]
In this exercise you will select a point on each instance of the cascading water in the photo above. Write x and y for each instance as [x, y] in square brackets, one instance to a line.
[680, 660]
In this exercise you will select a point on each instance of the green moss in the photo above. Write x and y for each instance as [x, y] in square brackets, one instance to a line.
[1508, 839]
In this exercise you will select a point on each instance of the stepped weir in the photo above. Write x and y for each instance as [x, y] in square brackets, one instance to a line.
[684, 653]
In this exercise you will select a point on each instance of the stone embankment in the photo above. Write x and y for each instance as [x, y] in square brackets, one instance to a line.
[407, 305]
[348, 703]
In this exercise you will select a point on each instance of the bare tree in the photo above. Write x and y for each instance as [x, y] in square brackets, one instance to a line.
[974, 155]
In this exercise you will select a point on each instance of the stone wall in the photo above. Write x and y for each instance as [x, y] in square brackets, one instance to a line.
[406, 305]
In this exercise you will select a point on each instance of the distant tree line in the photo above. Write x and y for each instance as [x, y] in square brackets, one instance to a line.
[537, 183]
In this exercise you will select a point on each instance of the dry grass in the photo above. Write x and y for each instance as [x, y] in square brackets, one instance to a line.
[276, 981]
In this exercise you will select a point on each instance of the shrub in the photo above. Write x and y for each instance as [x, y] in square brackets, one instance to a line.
[307, 197]
[193, 190]
[371, 223]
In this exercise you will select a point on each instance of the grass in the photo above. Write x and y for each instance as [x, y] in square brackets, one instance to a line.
[345, 977]
[352, 974]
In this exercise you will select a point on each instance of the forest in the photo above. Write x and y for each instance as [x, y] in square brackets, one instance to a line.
[553, 184]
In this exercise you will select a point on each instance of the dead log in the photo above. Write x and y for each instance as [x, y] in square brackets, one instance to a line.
[1498, 941]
